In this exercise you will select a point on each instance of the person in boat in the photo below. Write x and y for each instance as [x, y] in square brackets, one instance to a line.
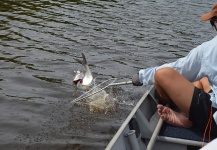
[173, 83]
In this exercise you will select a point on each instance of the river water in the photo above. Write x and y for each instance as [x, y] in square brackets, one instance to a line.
[38, 41]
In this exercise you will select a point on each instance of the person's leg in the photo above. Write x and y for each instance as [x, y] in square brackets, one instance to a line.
[179, 89]
[198, 84]
[205, 84]
[170, 83]
[172, 117]
[164, 97]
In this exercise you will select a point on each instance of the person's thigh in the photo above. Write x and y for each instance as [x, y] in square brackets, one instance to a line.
[178, 88]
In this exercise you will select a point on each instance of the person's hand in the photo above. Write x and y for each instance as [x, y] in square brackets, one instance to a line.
[136, 81]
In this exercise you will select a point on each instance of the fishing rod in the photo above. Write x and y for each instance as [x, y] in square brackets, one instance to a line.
[121, 83]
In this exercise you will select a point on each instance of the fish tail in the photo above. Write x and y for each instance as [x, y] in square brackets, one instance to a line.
[79, 61]
[84, 59]
[83, 62]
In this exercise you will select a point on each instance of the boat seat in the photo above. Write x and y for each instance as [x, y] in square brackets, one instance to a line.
[172, 134]
[183, 138]
[182, 133]
[187, 136]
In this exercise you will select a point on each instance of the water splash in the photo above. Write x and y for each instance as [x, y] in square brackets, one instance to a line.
[98, 99]
[102, 102]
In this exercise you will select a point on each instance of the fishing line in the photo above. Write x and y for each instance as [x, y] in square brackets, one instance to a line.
[111, 82]
[92, 92]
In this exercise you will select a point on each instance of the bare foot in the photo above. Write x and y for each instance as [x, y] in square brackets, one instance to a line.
[173, 118]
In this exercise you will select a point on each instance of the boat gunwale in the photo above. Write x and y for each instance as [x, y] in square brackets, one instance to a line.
[127, 120]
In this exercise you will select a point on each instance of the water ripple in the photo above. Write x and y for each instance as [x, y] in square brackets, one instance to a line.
[39, 40]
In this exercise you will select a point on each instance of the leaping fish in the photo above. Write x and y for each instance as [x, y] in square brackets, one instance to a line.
[83, 80]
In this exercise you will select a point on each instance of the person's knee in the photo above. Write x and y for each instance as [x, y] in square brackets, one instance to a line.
[163, 73]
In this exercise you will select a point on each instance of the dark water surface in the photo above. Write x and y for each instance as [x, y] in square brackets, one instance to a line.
[38, 41]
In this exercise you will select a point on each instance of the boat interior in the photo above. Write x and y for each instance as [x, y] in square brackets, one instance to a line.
[144, 130]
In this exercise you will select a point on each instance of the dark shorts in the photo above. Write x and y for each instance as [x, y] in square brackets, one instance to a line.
[200, 111]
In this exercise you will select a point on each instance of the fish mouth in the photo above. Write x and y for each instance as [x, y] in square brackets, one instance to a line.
[76, 81]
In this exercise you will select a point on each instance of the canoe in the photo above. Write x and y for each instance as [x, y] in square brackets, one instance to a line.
[144, 130]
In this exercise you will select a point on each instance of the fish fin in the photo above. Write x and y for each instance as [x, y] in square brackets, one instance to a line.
[84, 59]
[83, 62]
[79, 61]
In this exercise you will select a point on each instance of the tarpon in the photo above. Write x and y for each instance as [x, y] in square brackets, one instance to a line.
[83, 80]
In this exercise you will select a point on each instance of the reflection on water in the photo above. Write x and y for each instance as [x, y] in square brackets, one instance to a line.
[38, 41]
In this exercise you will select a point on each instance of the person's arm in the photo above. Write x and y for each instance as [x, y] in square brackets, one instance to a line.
[189, 66]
